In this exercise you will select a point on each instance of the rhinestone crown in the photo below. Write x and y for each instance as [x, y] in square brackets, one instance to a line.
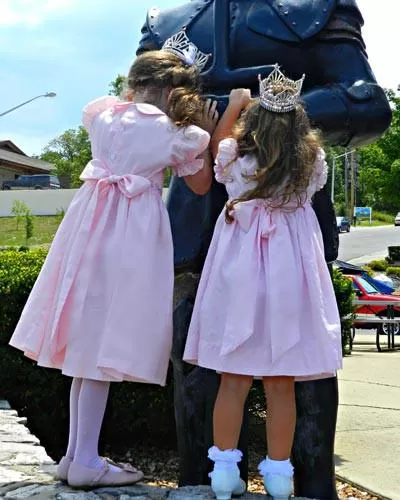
[281, 102]
[180, 45]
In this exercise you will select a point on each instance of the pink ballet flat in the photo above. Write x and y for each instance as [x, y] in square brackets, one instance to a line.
[86, 478]
[62, 469]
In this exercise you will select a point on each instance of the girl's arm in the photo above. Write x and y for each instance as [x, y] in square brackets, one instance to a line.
[238, 100]
[200, 182]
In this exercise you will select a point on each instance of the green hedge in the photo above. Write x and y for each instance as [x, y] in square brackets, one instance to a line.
[136, 413]
[378, 265]
[344, 297]
[393, 271]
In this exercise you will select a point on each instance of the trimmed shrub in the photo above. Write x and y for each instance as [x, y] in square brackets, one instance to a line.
[344, 296]
[393, 271]
[378, 265]
[136, 412]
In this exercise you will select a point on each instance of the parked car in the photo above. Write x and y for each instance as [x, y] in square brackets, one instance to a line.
[397, 220]
[40, 181]
[365, 290]
[343, 224]
[383, 285]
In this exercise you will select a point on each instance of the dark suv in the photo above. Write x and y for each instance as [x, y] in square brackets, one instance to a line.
[41, 181]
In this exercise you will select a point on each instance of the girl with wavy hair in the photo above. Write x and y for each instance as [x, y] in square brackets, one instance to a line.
[265, 306]
[101, 309]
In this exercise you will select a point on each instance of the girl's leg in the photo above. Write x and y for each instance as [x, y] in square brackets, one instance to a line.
[65, 462]
[92, 404]
[277, 469]
[228, 416]
[73, 416]
[281, 416]
[88, 470]
[228, 410]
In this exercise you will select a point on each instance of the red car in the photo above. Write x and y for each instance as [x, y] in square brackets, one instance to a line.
[367, 291]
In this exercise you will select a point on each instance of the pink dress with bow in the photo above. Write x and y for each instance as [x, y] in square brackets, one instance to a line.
[101, 307]
[265, 304]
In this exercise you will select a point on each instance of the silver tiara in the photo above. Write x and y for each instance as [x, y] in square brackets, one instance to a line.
[180, 45]
[284, 101]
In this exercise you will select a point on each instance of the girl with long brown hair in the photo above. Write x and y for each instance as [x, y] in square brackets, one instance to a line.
[101, 309]
[265, 306]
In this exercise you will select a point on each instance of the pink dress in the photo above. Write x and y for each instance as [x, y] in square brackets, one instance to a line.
[101, 307]
[265, 304]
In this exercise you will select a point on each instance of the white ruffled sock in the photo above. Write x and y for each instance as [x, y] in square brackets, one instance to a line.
[224, 459]
[276, 467]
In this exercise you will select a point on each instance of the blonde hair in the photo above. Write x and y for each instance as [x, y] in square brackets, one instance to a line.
[155, 71]
[285, 148]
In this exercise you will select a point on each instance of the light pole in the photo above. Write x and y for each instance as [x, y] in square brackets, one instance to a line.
[47, 94]
[333, 172]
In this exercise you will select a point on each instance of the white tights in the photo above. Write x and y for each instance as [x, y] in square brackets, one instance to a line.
[88, 400]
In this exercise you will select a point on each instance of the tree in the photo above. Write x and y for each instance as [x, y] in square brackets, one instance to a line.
[379, 165]
[70, 152]
[19, 210]
[116, 87]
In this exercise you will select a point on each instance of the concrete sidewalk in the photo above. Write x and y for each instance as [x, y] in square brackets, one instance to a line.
[368, 432]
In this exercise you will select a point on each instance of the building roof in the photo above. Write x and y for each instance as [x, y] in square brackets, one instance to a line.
[10, 146]
[24, 161]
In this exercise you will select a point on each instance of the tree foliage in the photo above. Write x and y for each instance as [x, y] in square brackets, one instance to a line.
[70, 152]
[379, 166]
[116, 87]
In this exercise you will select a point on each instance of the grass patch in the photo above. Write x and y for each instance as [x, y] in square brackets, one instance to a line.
[374, 222]
[44, 229]
[378, 219]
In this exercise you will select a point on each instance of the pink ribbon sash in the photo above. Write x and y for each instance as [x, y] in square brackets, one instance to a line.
[130, 185]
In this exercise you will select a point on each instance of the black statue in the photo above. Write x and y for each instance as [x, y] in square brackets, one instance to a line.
[321, 38]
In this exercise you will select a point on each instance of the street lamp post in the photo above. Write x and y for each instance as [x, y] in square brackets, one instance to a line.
[333, 172]
[47, 94]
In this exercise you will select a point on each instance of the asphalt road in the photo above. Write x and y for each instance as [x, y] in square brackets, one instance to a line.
[367, 243]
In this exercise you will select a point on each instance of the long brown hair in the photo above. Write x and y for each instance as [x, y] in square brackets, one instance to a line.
[154, 71]
[285, 148]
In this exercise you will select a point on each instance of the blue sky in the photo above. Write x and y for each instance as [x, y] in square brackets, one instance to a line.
[76, 47]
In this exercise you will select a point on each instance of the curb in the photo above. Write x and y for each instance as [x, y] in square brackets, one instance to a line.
[361, 487]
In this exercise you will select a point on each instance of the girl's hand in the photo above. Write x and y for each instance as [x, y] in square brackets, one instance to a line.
[210, 116]
[240, 98]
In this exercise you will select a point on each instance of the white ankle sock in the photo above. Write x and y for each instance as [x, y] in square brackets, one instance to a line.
[224, 459]
[73, 416]
[276, 467]
[91, 407]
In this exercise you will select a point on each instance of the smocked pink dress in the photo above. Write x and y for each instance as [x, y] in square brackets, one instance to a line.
[101, 307]
[265, 304]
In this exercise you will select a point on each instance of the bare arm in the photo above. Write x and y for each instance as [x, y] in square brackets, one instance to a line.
[225, 126]
[200, 182]
[238, 100]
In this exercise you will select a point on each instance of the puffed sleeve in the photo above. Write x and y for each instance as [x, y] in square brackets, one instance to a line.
[319, 175]
[227, 154]
[95, 107]
[187, 145]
